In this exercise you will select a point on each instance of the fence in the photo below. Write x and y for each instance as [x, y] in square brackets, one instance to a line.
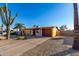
[65, 33]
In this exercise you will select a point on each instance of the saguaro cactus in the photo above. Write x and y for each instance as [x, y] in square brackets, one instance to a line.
[7, 19]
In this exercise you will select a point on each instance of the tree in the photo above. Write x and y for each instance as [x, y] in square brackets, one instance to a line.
[19, 26]
[63, 27]
[7, 19]
[35, 26]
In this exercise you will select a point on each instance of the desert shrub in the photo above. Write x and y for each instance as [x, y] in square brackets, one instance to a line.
[13, 33]
[21, 38]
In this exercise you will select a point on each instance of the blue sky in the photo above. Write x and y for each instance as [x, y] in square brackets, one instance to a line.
[43, 14]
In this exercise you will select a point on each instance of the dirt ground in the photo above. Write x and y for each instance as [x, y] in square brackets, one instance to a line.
[38, 47]
[49, 47]
[18, 47]
[59, 47]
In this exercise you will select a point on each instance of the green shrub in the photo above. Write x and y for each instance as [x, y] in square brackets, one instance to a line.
[21, 38]
[13, 33]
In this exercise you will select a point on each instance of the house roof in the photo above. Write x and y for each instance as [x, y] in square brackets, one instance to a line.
[42, 27]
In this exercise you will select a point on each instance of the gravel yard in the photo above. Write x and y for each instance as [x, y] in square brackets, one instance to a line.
[49, 47]
[38, 47]
[52, 48]
[18, 47]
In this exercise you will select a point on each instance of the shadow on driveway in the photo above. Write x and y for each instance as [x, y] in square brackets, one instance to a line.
[69, 51]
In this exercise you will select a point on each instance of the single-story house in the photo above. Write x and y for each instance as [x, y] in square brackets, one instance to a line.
[42, 31]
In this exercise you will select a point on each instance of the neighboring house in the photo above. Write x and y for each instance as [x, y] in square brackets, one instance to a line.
[4, 32]
[42, 31]
[18, 32]
[15, 29]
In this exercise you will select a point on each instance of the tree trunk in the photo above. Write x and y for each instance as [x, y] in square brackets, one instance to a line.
[8, 32]
[76, 27]
[2, 29]
[22, 32]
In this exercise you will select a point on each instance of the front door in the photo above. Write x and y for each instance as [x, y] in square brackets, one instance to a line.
[34, 32]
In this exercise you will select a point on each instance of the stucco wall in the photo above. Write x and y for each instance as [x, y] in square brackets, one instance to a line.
[38, 32]
[54, 32]
[48, 32]
[26, 31]
[58, 33]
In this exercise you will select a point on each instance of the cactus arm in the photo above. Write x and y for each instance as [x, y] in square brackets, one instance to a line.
[6, 12]
[2, 16]
[12, 19]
